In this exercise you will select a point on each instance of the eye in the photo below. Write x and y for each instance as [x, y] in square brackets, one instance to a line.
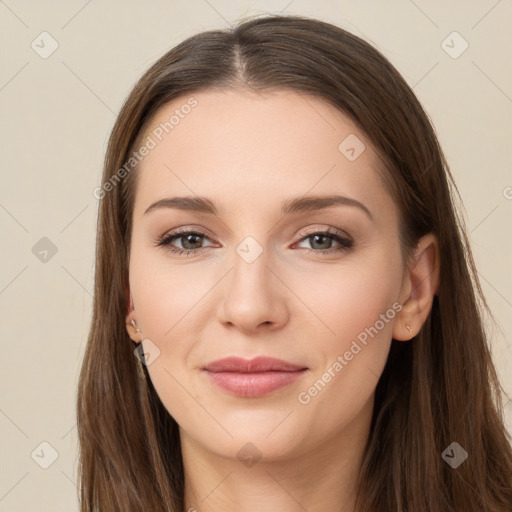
[190, 242]
[323, 240]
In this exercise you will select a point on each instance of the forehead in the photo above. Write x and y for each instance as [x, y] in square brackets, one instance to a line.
[244, 147]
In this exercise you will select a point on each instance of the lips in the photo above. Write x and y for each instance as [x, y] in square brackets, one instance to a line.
[252, 378]
[256, 365]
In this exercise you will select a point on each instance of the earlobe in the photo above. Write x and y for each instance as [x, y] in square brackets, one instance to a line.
[420, 285]
[131, 326]
[404, 331]
[134, 331]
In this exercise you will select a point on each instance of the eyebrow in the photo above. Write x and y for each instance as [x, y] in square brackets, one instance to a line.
[294, 205]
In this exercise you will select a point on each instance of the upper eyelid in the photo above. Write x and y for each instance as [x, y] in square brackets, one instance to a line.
[328, 231]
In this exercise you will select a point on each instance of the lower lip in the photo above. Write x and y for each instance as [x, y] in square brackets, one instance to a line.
[253, 384]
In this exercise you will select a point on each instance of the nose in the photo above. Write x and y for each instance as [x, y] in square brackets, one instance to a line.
[253, 297]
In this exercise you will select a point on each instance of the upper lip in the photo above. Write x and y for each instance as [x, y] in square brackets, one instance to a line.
[258, 364]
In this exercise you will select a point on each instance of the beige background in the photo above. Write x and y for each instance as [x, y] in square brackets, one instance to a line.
[57, 114]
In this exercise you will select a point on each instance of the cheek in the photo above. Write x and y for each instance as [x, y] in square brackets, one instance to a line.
[168, 303]
[361, 310]
[166, 294]
[349, 298]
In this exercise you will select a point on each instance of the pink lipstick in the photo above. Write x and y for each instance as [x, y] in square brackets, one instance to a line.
[252, 377]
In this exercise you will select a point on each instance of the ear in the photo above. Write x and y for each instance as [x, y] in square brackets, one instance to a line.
[131, 317]
[420, 284]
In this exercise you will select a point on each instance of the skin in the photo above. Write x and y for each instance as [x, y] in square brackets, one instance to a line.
[248, 153]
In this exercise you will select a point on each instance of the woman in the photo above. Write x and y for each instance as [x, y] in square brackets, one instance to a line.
[284, 313]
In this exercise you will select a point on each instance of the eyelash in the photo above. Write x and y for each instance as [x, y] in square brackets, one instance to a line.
[345, 242]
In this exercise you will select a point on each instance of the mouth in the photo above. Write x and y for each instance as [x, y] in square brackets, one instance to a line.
[252, 378]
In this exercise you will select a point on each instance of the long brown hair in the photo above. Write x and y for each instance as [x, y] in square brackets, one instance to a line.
[437, 389]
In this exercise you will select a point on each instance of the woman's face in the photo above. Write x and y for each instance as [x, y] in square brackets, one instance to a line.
[258, 277]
